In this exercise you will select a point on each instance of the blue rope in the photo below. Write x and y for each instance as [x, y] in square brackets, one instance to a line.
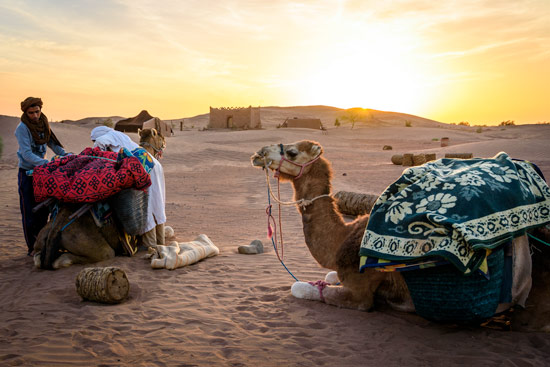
[66, 225]
[538, 239]
[272, 240]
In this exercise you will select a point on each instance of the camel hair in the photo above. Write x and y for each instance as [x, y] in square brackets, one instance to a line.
[82, 241]
[335, 243]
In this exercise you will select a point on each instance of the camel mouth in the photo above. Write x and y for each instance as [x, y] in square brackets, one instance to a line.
[258, 160]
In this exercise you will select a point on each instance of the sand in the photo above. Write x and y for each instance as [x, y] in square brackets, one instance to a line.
[233, 309]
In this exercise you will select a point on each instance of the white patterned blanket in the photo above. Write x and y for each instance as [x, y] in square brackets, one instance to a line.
[456, 209]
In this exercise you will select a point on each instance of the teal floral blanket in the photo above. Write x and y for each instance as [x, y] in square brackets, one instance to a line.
[456, 209]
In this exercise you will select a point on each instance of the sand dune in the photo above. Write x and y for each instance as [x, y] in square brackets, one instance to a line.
[237, 310]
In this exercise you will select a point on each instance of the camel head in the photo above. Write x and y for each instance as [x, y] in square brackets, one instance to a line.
[152, 141]
[289, 160]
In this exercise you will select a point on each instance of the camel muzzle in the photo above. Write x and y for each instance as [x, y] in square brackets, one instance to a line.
[259, 160]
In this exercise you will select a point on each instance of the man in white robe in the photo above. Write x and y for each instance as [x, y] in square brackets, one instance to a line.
[111, 140]
[108, 139]
[156, 216]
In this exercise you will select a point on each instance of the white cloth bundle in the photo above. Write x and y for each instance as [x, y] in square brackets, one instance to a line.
[178, 255]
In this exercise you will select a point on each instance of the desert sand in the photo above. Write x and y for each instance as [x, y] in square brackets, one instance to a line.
[233, 309]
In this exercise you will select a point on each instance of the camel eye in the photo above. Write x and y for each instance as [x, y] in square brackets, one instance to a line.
[292, 153]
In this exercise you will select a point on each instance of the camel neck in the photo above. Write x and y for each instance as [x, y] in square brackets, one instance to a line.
[324, 228]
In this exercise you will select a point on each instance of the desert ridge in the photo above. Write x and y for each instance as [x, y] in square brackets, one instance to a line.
[236, 309]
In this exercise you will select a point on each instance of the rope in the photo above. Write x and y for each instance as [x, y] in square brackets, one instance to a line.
[158, 151]
[538, 239]
[273, 234]
[302, 202]
[280, 220]
[68, 224]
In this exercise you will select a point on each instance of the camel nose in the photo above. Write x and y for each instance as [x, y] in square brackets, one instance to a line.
[258, 157]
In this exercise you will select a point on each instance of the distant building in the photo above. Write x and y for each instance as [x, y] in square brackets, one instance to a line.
[305, 123]
[144, 121]
[235, 118]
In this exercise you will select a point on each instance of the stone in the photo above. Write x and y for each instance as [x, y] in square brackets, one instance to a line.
[407, 159]
[397, 159]
[387, 147]
[255, 247]
[459, 155]
[429, 157]
[419, 159]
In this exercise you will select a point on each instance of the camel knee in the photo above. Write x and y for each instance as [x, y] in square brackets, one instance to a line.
[345, 297]
[304, 290]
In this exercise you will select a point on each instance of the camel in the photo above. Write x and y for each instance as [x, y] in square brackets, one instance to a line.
[335, 243]
[60, 244]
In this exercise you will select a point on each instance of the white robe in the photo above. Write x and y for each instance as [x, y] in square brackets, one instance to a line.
[157, 197]
[108, 139]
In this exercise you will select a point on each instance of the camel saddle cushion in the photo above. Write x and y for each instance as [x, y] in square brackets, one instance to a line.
[88, 177]
[456, 210]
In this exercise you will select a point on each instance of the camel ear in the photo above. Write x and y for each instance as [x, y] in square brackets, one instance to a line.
[153, 132]
[139, 131]
[314, 148]
[317, 149]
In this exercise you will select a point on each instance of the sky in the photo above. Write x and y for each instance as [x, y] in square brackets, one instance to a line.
[480, 61]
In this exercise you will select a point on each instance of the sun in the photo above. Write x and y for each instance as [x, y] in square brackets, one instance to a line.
[379, 73]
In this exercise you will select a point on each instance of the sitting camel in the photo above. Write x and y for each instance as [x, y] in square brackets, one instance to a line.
[335, 244]
[60, 244]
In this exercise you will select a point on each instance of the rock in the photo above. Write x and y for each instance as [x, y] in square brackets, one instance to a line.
[407, 159]
[430, 157]
[444, 142]
[419, 159]
[387, 147]
[459, 155]
[255, 247]
[397, 159]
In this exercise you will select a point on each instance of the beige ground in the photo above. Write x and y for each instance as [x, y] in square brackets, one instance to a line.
[236, 310]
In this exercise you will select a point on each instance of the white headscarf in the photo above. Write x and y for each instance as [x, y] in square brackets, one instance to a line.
[108, 139]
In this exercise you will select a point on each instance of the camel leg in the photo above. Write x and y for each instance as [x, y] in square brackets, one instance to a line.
[357, 292]
[85, 242]
[67, 259]
[339, 296]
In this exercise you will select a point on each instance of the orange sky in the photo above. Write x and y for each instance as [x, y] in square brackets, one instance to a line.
[451, 61]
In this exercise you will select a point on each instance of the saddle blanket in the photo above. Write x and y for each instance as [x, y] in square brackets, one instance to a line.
[88, 177]
[456, 209]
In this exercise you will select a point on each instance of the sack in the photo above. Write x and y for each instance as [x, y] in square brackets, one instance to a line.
[130, 208]
[444, 294]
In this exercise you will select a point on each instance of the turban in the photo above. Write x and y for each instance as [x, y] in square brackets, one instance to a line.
[31, 101]
[40, 130]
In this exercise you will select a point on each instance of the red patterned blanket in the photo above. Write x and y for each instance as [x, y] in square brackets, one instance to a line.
[88, 177]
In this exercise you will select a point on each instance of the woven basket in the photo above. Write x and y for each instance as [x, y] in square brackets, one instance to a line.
[130, 208]
[444, 294]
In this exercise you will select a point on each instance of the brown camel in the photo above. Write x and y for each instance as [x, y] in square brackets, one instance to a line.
[335, 244]
[82, 241]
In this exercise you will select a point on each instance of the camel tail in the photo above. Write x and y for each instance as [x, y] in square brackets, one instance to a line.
[50, 251]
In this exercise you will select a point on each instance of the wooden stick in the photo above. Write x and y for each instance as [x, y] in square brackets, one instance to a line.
[46, 202]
